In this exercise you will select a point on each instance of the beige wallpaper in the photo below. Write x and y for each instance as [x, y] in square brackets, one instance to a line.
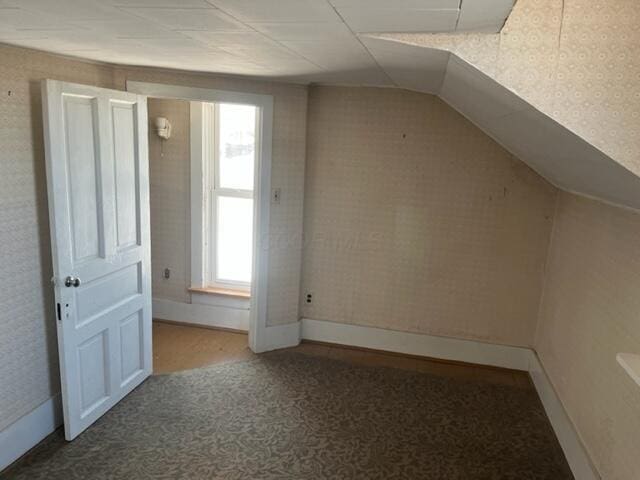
[575, 60]
[28, 348]
[591, 311]
[416, 221]
[169, 176]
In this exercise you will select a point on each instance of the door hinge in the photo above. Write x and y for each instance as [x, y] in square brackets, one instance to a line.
[59, 311]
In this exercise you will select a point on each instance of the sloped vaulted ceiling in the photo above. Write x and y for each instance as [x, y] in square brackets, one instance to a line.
[559, 155]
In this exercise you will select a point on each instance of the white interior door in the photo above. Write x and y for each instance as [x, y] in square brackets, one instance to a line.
[98, 186]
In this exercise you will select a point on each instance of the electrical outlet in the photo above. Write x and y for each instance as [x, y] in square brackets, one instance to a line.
[309, 298]
[167, 273]
[275, 195]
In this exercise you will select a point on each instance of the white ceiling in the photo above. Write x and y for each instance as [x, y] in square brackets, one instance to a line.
[324, 41]
[304, 41]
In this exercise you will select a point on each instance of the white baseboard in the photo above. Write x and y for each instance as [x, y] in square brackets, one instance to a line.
[200, 314]
[417, 344]
[518, 358]
[280, 336]
[24, 434]
[574, 451]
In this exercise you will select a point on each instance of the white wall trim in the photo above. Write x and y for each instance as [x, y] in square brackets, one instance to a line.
[197, 94]
[572, 446]
[417, 344]
[25, 433]
[201, 314]
[198, 209]
[258, 336]
[282, 336]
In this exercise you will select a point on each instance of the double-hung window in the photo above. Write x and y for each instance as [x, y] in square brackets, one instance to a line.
[229, 159]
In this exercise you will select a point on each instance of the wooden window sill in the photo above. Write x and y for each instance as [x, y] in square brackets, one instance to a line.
[226, 292]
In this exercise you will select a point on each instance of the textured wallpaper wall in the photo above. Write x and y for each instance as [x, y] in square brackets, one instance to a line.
[169, 176]
[575, 60]
[591, 311]
[417, 221]
[28, 348]
[402, 231]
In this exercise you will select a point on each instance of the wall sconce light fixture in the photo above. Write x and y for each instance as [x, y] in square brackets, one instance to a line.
[163, 128]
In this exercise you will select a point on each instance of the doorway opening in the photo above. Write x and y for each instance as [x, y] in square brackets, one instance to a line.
[209, 161]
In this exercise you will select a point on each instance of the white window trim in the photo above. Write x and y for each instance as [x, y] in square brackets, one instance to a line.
[199, 205]
[209, 122]
[260, 338]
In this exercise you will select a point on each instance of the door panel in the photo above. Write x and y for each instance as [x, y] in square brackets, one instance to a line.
[97, 177]
[126, 174]
[131, 355]
[82, 172]
[102, 294]
[94, 372]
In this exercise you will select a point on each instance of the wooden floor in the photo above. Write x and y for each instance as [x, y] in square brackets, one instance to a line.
[180, 347]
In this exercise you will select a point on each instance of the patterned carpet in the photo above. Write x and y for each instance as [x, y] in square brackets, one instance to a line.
[295, 416]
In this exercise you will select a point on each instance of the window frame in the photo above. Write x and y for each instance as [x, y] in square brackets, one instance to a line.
[212, 191]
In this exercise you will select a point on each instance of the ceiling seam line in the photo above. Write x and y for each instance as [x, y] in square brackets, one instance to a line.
[290, 50]
[154, 22]
[357, 37]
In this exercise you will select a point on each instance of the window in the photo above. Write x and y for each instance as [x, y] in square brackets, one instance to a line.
[229, 158]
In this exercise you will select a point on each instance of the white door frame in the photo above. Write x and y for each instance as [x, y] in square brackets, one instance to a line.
[259, 340]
